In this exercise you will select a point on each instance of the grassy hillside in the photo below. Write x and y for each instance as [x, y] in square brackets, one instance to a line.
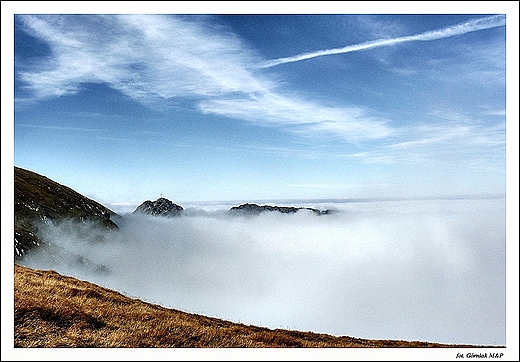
[52, 310]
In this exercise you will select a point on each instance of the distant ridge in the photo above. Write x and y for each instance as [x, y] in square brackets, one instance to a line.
[256, 209]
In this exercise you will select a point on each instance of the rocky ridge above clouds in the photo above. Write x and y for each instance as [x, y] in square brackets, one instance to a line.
[159, 207]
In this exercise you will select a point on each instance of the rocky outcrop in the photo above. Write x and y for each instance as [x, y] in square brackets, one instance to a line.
[257, 209]
[159, 207]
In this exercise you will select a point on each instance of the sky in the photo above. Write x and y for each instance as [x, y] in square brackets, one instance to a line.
[125, 108]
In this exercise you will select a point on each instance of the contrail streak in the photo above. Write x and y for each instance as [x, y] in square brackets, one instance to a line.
[460, 29]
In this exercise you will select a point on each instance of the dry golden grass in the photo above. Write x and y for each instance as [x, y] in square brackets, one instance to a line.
[52, 310]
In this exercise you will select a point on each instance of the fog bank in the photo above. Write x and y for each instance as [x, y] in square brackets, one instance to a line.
[413, 270]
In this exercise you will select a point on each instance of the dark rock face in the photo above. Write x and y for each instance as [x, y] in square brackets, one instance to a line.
[159, 207]
[257, 209]
[39, 201]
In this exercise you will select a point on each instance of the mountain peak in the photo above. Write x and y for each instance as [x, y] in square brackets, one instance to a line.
[160, 207]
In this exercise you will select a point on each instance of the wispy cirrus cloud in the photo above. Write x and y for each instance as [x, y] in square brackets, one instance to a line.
[303, 117]
[61, 128]
[455, 139]
[142, 56]
[154, 58]
[460, 29]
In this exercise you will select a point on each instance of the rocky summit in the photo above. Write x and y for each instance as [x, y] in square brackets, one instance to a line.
[159, 207]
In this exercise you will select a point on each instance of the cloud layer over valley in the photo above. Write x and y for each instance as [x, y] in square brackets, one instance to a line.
[413, 270]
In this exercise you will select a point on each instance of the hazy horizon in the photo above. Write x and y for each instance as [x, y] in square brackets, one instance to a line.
[124, 208]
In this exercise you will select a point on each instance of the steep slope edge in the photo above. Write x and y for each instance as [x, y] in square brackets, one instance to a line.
[40, 201]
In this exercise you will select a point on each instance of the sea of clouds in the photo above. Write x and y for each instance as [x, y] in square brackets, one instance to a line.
[429, 270]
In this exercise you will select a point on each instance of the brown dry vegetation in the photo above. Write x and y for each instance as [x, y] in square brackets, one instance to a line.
[52, 310]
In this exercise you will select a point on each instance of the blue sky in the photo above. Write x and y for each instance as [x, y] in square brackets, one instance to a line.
[125, 108]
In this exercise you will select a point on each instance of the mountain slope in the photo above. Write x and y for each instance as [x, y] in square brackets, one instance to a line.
[52, 310]
[39, 201]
